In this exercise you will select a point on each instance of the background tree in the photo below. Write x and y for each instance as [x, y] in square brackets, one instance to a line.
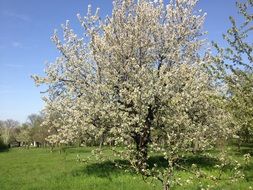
[3, 146]
[236, 62]
[8, 131]
[34, 120]
[39, 133]
[134, 76]
[24, 136]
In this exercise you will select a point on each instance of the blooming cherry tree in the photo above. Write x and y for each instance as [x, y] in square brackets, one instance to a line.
[138, 78]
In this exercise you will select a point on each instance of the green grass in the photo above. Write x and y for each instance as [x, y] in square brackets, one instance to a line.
[40, 169]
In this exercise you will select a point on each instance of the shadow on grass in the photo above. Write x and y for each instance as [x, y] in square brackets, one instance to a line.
[200, 160]
[104, 169]
[107, 169]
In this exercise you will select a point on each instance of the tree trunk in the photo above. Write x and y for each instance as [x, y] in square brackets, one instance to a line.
[101, 141]
[142, 140]
[239, 142]
[142, 152]
[166, 187]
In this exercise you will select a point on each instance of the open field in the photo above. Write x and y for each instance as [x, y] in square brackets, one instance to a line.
[40, 169]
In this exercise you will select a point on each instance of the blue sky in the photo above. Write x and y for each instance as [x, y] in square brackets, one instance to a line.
[25, 45]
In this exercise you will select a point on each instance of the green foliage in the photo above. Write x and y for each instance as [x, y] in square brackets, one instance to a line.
[241, 106]
[38, 132]
[236, 63]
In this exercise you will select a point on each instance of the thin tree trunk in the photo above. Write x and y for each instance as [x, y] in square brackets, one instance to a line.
[166, 187]
[142, 140]
[239, 144]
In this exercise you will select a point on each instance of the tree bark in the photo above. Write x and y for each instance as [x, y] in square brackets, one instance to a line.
[142, 151]
[142, 140]
[166, 187]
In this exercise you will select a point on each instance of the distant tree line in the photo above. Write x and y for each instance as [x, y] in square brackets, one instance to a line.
[36, 134]
[15, 134]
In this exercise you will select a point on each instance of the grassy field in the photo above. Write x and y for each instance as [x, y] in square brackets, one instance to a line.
[40, 169]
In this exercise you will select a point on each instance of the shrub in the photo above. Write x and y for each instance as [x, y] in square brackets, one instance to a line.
[3, 146]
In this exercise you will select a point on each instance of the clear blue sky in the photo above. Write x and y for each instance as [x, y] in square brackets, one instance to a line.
[25, 45]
